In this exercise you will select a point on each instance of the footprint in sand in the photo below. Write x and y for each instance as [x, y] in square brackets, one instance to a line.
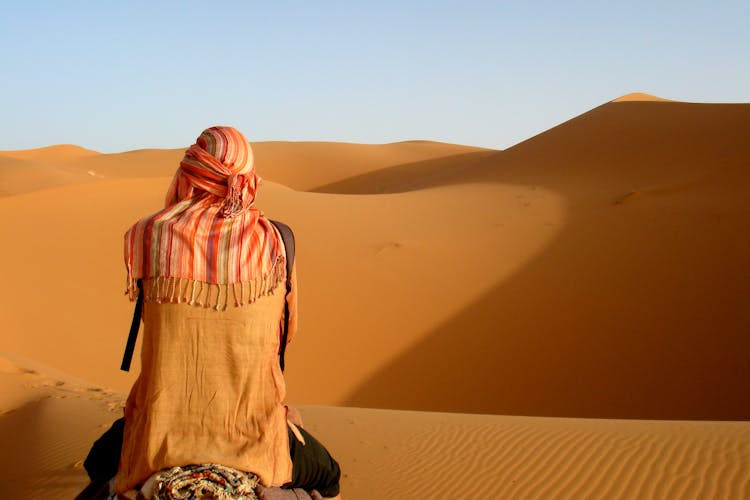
[116, 407]
[98, 394]
[391, 245]
[625, 197]
[47, 383]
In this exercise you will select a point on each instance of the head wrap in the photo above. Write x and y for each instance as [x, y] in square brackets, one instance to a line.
[220, 163]
[209, 242]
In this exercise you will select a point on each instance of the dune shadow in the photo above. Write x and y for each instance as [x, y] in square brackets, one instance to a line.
[33, 459]
[636, 310]
[529, 347]
[408, 176]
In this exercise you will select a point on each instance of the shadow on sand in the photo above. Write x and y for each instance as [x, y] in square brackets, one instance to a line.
[408, 176]
[40, 452]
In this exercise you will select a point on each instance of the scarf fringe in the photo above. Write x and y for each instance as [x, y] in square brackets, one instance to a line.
[217, 296]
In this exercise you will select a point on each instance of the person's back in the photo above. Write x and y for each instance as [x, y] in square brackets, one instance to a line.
[210, 391]
[213, 275]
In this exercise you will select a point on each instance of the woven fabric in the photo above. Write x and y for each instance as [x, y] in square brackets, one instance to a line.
[210, 390]
[209, 246]
[205, 481]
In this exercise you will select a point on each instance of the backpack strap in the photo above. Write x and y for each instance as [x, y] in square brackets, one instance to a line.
[127, 356]
[288, 238]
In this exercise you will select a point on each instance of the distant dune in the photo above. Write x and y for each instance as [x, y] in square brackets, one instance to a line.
[639, 96]
[58, 153]
[306, 166]
[298, 165]
[597, 270]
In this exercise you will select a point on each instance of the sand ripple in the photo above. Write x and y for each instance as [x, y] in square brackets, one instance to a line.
[436, 456]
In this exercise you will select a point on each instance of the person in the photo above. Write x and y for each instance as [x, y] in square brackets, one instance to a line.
[212, 271]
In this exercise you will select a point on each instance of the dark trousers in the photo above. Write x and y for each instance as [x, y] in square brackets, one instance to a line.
[313, 468]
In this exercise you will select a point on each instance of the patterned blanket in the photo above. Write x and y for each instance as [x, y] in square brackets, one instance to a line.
[205, 481]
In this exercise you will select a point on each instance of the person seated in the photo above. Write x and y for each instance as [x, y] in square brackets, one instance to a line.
[212, 271]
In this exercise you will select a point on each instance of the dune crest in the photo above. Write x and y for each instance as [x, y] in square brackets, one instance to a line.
[640, 96]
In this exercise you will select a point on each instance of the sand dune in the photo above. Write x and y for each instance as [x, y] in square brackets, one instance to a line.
[307, 166]
[68, 259]
[595, 270]
[130, 164]
[34, 169]
[602, 257]
[642, 291]
[299, 165]
[57, 153]
[18, 175]
[406, 177]
[442, 456]
[48, 421]
[639, 96]
[385, 257]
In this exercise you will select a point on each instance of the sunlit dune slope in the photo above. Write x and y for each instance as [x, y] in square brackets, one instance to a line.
[139, 163]
[59, 153]
[639, 96]
[20, 175]
[65, 260]
[33, 169]
[392, 244]
[91, 248]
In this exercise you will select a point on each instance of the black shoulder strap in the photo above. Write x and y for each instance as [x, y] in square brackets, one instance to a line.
[288, 236]
[127, 356]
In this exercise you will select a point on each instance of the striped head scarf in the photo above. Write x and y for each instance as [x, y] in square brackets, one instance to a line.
[209, 243]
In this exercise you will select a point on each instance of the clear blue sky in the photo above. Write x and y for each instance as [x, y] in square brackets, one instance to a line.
[114, 76]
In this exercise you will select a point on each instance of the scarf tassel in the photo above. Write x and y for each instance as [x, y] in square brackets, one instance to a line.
[163, 289]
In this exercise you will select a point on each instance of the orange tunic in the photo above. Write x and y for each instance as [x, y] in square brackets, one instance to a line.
[210, 391]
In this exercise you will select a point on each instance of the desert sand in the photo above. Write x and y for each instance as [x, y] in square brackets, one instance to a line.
[565, 318]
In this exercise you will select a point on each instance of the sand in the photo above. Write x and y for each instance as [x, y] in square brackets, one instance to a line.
[543, 295]
[404, 454]
[640, 96]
